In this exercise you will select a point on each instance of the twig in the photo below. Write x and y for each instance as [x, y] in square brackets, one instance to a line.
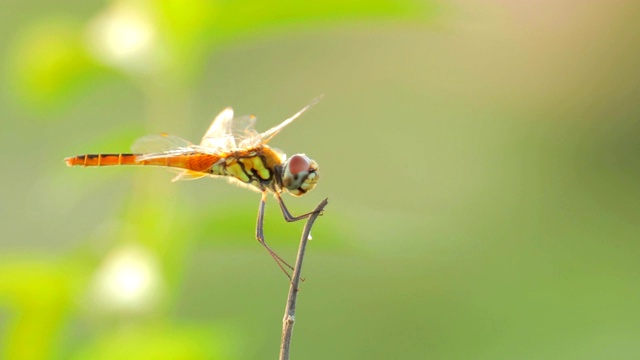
[290, 309]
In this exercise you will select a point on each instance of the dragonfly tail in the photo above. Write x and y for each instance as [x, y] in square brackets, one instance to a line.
[102, 160]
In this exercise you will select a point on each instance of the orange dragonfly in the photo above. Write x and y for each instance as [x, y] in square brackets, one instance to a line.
[231, 147]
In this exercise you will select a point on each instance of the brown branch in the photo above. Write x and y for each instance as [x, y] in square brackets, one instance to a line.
[290, 309]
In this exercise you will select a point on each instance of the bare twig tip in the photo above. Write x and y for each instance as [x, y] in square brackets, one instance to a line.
[290, 309]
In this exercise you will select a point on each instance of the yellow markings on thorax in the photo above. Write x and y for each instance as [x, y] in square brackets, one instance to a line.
[250, 165]
[246, 169]
[234, 169]
[271, 158]
[256, 166]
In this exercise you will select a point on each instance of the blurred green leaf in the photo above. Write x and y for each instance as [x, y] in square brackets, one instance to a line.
[39, 293]
[194, 28]
[56, 59]
[50, 64]
[243, 16]
[160, 342]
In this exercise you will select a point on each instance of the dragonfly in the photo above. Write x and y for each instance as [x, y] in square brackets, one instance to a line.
[230, 148]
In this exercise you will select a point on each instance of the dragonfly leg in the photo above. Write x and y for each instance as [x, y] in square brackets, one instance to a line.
[285, 212]
[260, 237]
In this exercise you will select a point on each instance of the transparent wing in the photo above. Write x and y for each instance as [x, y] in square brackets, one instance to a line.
[188, 175]
[269, 134]
[164, 145]
[161, 145]
[243, 128]
[219, 135]
[228, 132]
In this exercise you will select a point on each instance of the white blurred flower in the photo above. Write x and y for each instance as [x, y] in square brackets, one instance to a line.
[124, 36]
[128, 281]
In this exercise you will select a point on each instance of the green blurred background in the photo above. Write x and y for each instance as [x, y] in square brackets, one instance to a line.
[481, 160]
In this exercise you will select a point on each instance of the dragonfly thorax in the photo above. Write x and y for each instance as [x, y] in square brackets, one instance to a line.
[299, 174]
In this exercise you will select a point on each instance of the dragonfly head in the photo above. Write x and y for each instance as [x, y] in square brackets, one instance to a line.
[299, 174]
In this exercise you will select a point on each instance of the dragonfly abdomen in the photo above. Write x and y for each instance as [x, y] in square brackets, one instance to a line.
[194, 162]
[101, 160]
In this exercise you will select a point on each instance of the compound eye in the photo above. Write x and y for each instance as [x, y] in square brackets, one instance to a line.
[300, 174]
[299, 164]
